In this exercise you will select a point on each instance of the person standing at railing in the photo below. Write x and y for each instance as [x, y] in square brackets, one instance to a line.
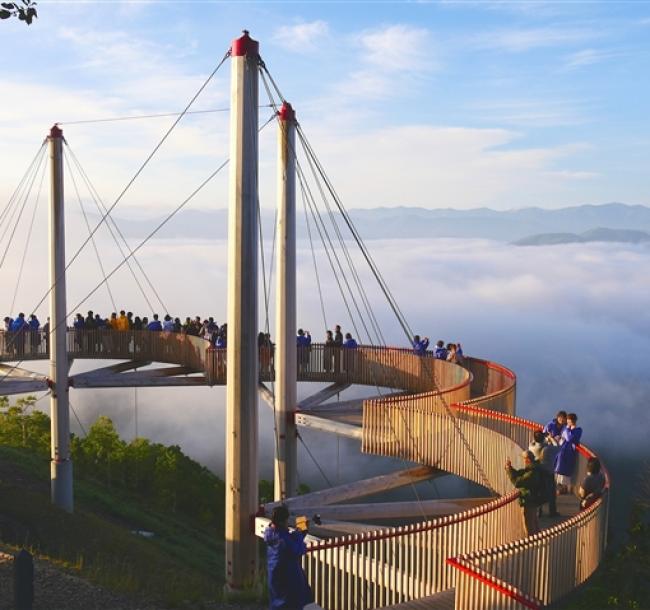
[338, 344]
[328, 351]
[460, 357]
[529, 484]
[441, 351]
[349, 353]
[34, 335]
[79, 324]
[122, 322]
[545, 452]
[288, 586]
[303, 343]
[264, 348]
[593, 485]
[554, 428]
[19, 331]
[90, 334]
[46, 334]
[155, 324]
[420, 346]
[7, 345]
[566, 458]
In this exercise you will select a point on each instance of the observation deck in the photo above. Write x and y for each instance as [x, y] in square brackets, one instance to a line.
[439, 415]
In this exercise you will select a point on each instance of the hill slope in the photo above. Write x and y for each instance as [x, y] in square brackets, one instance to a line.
[181, 562]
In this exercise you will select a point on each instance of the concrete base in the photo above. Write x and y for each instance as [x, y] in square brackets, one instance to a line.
[61, 484]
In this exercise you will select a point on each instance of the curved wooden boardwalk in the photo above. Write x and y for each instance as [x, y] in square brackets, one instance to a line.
[449, 418]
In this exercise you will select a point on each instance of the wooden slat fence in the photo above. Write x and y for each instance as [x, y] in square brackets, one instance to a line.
[541, 569]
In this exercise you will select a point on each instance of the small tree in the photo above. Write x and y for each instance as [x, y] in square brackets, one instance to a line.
[25, 10]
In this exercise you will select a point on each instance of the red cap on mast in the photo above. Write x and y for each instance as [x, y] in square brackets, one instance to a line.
[56, 131]
[287, 113]
[244, 45]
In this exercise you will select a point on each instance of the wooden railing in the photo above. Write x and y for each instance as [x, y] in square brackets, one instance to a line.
[394, 565]
[504, 569]
[375, 366]
[399, 564]
[493, 386]
[481, 551]
[540, 570]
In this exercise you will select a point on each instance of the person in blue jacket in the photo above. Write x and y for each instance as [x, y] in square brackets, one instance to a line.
[441, 351]
[155, 324]
[566, 458]
[288, 587]
[303, 343]
[420, 346]
[555, 427]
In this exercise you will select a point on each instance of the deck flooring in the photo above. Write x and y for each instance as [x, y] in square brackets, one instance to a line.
[440, 601]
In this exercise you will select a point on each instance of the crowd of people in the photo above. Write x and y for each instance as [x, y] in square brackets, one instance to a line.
[451, 352]
[549, 470]
[206, 328]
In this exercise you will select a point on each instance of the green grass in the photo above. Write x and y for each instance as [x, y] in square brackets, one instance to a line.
[184, 561]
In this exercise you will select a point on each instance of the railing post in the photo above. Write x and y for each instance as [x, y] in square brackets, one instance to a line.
[61, 462]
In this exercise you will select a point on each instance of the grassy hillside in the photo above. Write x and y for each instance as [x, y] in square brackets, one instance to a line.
[183, 561]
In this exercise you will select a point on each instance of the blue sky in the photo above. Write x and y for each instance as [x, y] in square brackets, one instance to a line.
[436, 104]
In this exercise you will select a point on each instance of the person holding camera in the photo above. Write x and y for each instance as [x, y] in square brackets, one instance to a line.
[288, 586]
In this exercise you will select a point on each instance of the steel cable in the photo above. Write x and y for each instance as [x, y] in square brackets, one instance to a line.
[94, 243]
[28, 239]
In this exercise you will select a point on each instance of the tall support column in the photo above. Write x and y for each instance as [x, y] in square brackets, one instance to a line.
[286, 476]
[61, 462]
[242, 359]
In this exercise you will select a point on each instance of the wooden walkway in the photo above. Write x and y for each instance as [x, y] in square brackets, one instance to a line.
[440, 601]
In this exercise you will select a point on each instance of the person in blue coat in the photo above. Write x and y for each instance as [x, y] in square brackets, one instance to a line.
[19, 327]
[441, 351]
[288, 586]
[155, 324]
[420, 345]
[555, 427]
[303, 343]
[19, 324]
[566, 457]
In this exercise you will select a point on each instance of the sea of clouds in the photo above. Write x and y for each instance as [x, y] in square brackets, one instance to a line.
[572, 321]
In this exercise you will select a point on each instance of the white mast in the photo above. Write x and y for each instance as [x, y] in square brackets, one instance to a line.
[61, 462]
[286, 478]
[242, 359]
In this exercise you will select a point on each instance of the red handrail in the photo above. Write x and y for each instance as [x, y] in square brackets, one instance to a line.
[494, 583]
[417, 527]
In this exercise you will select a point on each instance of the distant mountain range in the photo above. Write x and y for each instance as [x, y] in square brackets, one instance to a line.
[612, 235]
[537, 224]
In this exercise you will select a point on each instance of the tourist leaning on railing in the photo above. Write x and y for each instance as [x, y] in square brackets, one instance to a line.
[593, 485]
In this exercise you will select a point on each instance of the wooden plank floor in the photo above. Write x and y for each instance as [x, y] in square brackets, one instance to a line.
[440, 601]
[567, 506]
